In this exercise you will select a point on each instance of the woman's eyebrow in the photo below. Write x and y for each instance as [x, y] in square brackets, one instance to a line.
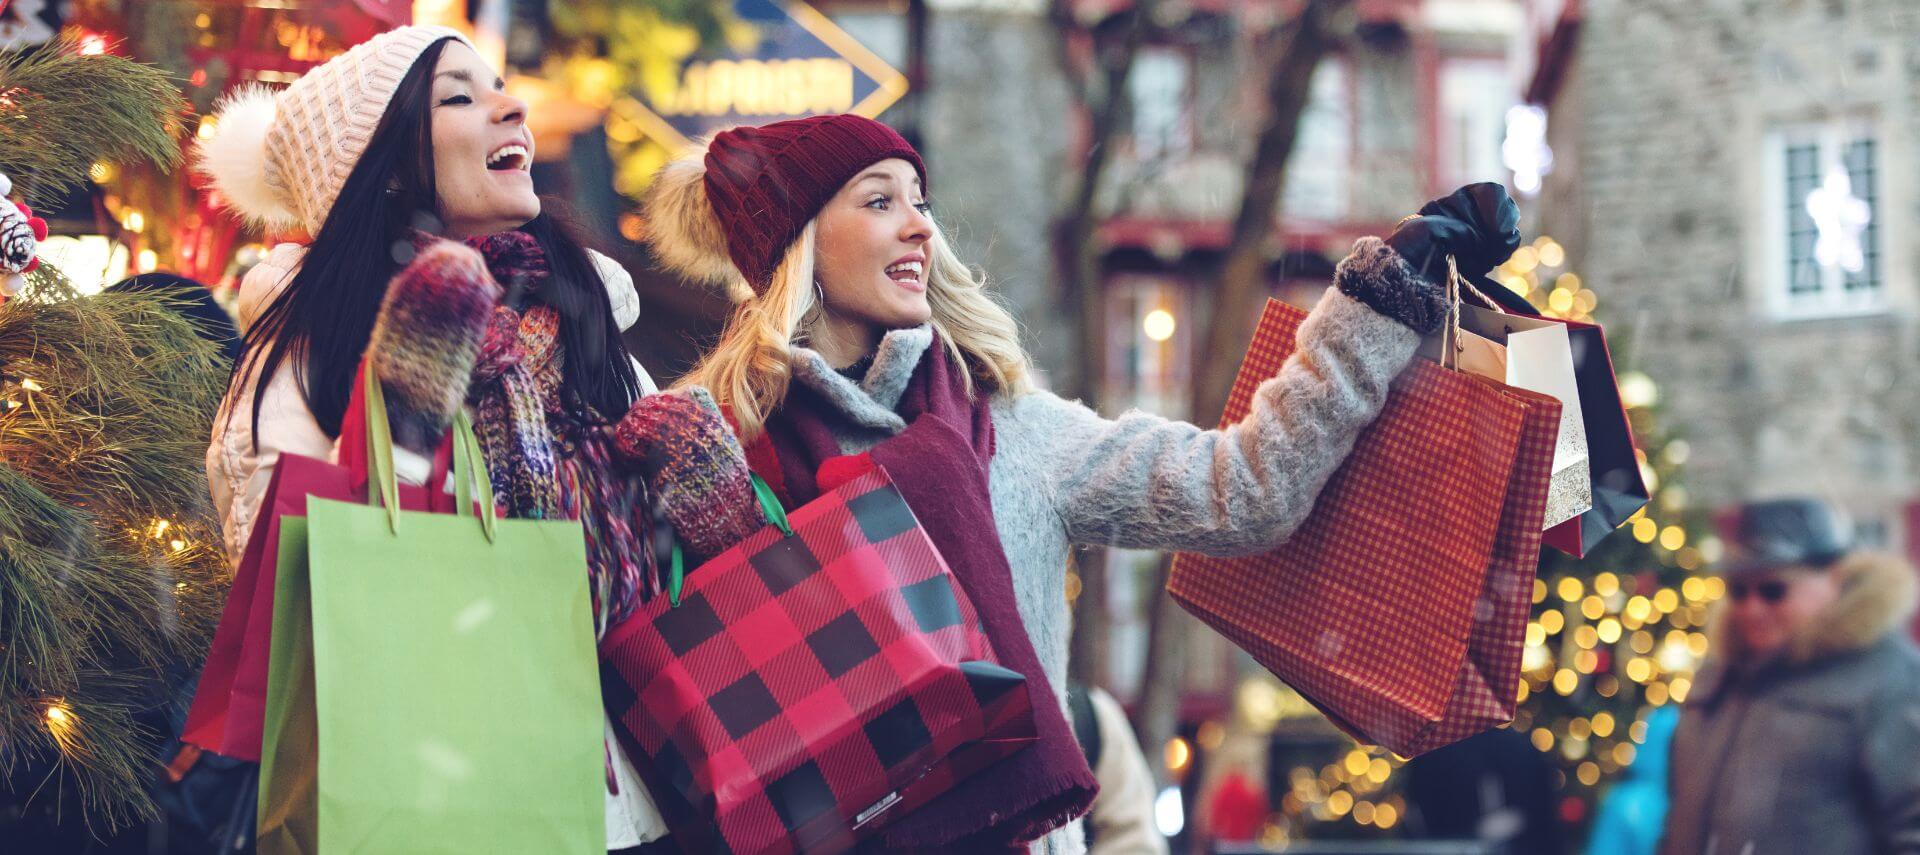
[465, 76]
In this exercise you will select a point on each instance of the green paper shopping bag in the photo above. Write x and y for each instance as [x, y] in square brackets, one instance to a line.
[288, 736]
[433, 684]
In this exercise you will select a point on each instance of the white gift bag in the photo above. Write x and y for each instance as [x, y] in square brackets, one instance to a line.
[1534, 354]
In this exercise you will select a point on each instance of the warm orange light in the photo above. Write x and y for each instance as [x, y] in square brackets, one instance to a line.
[1179, 754]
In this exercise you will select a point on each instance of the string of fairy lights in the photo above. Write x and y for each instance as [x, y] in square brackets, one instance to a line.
[159, 534]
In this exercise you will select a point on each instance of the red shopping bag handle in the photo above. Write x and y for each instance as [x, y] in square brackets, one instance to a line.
[354, 449]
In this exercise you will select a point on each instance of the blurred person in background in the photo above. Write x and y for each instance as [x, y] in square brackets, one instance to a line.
[193, 301]
[1121, 819]
[1802, 731]
[1633, 811]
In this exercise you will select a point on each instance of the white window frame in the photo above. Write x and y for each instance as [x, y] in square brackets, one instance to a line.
[1833, 300]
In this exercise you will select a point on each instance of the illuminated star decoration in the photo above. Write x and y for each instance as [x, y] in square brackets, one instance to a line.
[1525, 150]
[1841, 217]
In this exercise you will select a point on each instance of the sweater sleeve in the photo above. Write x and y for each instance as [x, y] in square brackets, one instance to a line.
[1147, 482]
[238, 468]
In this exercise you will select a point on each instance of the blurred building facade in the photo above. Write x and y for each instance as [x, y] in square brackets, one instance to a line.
[1714, 163]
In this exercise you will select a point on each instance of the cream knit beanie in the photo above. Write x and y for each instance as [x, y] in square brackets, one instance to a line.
[279, 159]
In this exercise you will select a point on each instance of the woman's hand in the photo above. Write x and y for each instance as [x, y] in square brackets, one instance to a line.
[694, 466]
[1479, 225]
[516, 260]
[426, 338]
[1405, 277]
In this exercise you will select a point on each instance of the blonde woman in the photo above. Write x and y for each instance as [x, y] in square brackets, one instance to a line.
[862, 339]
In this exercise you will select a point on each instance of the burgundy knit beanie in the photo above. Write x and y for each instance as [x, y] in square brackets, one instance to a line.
[761, 186]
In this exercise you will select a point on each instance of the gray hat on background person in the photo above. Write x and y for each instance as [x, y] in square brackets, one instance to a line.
[1797, 532]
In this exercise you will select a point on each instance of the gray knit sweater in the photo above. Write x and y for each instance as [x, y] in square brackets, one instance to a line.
[1062, 475]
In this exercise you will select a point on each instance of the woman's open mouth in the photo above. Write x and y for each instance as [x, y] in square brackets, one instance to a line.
[909, 272]
[512, 157]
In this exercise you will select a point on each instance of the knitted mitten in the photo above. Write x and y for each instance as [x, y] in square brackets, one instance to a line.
[426, 338]
[694, 466]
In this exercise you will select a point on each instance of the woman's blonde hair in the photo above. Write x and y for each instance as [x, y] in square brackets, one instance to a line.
[749, 370]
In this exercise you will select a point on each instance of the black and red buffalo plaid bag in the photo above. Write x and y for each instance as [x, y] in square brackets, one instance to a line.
[816, 681]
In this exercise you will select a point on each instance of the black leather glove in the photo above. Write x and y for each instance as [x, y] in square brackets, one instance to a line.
[1479, 225]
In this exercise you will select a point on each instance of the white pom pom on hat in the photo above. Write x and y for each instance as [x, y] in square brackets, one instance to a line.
[235, 158]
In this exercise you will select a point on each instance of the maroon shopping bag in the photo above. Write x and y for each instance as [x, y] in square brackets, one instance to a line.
[1399, 607]
[230, 701]
[818, 680]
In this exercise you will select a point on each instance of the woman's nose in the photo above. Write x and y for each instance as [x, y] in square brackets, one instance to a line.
[507, 108]
[919, 226]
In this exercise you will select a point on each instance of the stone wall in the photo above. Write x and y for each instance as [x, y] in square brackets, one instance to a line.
[1660, 195]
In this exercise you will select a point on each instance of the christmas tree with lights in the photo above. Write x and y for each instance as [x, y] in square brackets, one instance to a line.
[111, 571]
[1619, 633]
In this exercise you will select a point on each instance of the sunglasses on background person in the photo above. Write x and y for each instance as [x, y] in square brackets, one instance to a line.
[1770, 591]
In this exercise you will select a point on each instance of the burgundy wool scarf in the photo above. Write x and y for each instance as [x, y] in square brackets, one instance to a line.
[940, 465]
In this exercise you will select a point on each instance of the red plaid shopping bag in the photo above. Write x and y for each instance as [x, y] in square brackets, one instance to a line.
[814, 682]
[1399, 607]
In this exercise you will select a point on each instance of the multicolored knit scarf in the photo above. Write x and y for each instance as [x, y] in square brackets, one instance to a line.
[550, 455]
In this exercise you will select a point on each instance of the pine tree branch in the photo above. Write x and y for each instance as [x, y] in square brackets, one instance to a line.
[62, 111]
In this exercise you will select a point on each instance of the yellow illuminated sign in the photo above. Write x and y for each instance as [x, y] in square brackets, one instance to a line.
[708, 93]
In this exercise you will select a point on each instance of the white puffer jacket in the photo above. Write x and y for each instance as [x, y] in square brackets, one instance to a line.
[238, 469]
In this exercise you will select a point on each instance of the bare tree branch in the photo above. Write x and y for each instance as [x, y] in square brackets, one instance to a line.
[1242, 280]
[1239, 288]
[1077, 278]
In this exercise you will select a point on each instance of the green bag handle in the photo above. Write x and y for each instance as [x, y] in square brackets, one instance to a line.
[470, 473]
[469, 465]
[769, 507]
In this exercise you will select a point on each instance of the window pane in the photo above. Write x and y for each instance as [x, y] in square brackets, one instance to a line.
[1863, 169]
[1157, 88]
[1803, 176]
[1318, 169]
[1474, 99]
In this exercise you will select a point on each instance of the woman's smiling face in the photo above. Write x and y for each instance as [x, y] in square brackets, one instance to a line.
[482, 150]
[870, 251]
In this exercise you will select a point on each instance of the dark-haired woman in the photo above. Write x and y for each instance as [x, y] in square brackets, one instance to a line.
[406, 164]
